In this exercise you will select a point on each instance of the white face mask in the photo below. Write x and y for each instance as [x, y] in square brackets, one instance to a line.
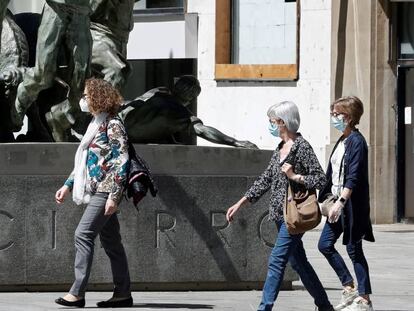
[83, 104]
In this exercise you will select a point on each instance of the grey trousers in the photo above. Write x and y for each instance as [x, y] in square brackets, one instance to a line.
[92, 223]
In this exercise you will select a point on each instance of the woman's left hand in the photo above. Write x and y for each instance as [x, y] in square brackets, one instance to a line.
[110, 207]
[288, 170]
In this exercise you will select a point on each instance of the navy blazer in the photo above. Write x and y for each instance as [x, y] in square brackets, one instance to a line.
[356, 213]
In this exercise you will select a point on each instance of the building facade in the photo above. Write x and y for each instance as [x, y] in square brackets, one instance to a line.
[251, 54]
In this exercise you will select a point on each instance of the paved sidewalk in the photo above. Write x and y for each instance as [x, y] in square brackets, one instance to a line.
[392, 275]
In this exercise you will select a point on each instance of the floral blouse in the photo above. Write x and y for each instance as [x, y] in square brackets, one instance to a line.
[304, 162]
[108, 160]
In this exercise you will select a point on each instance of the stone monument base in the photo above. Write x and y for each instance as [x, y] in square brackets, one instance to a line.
[179, 240]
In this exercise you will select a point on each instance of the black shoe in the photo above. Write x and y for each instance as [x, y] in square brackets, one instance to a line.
[329, 308]
[78, 303]
[124, 303]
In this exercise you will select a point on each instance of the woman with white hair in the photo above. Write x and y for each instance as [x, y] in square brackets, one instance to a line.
[294, 162]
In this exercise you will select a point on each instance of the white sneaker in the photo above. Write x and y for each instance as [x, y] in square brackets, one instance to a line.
[360, 304]
[348, 296]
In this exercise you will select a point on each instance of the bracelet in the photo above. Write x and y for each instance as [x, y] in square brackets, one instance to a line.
[298, 178]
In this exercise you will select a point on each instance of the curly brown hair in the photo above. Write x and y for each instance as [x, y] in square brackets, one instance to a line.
[102, 97]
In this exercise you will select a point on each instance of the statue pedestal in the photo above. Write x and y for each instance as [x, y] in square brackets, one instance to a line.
[179, 240]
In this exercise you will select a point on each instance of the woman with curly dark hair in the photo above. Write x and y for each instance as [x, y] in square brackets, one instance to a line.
[98, 180]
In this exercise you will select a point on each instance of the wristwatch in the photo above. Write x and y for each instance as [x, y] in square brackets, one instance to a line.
[342, 200]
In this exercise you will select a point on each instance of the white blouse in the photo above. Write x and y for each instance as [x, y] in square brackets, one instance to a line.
[337, 176]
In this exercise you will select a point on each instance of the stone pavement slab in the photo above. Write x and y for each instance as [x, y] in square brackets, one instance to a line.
[392, 275]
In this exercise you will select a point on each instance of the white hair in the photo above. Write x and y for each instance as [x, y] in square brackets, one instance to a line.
[288, 112]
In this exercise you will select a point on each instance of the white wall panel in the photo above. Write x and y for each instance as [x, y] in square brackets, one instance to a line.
[161, 39]
[239, 108]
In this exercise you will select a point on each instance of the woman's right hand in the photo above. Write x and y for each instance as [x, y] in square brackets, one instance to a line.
[61, 194]
[232, 211]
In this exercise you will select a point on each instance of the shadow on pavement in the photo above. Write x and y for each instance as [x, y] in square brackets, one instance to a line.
[160, 306]
[172, 306]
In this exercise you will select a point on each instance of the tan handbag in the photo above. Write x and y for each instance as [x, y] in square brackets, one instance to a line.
[301, 211]
[327, 204]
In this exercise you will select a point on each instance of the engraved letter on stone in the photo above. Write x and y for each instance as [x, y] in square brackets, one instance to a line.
[10, 243]
[266, 230]
[165, 222]
[219, 221]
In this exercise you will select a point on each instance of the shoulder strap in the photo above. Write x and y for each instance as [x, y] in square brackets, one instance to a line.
[292, 153]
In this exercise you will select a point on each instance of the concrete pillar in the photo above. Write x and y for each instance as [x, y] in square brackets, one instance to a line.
[361, 67]
[383, 115]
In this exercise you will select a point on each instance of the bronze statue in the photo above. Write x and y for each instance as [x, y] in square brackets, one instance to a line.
[64, 22]
[111, 23]
[3, 9]
[14, 55]
[159, 115]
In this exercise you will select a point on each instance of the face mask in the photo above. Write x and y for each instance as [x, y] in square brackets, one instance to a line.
[339, 123]
[274, 129]
[83, 104]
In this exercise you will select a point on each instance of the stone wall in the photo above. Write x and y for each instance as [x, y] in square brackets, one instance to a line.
[178, 240]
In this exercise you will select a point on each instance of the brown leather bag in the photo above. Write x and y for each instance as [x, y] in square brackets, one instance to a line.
[301, 211]
[327, 204]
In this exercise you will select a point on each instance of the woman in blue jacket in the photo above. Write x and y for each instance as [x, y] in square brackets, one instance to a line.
[347, 181]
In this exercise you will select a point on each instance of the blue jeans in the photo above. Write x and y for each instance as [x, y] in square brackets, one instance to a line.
[330, 234]
[290, 248]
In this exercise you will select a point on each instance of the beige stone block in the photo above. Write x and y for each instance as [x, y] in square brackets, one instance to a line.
[315, 50]
[315, 4]
[383, 184]
[206, 47]
[201, 6]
